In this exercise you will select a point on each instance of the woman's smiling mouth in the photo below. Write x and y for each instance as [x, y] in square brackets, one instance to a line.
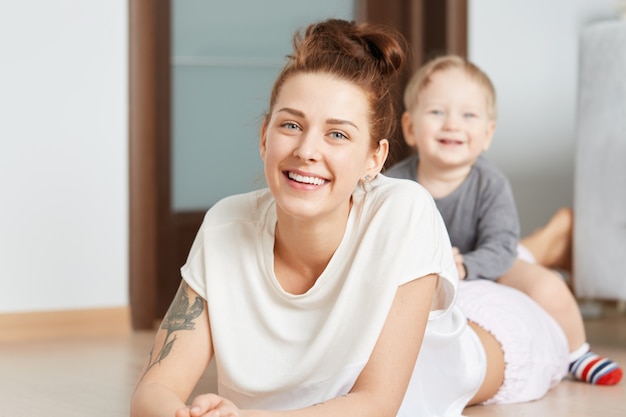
[305, 179]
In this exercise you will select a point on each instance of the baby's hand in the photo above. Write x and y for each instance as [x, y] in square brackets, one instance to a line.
[458, 259]
[209, 405]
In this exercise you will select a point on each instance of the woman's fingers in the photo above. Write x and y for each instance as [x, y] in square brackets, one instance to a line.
[211, 405]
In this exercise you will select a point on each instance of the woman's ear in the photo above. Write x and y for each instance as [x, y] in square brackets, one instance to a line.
[378, 158]
[263, 141]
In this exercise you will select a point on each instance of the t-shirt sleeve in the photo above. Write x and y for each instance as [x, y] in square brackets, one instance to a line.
[423, 245]
[443, 264]
[213, 241]
[192, 271]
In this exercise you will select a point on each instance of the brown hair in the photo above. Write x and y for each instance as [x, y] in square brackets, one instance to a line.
[421, 79]
[365, 54]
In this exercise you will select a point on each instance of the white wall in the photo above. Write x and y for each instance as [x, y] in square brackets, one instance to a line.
[63, 154]
[63, 134]
[529, 48]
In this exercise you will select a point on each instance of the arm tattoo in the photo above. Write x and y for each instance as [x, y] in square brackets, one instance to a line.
[180, 316]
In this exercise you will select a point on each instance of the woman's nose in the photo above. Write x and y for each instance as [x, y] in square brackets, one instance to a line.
[308, 146]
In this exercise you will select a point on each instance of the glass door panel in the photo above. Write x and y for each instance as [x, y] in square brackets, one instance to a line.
[226, 56]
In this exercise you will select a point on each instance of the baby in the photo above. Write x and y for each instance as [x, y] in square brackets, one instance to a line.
[450, 120]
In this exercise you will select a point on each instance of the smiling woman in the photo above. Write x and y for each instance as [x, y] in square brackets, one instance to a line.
[321, 262]
[298, 255]
[315, 150]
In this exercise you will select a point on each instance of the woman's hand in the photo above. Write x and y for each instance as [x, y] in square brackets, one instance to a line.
[209, 405]
[458, 259]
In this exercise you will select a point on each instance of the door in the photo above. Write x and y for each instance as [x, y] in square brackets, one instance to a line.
[200, 74]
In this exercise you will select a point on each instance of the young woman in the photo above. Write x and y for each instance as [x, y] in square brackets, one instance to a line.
[310, 295]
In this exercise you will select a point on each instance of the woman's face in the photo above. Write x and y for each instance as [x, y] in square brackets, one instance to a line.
[316, 146]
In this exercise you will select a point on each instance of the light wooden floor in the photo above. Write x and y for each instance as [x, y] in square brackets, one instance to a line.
[94, 377]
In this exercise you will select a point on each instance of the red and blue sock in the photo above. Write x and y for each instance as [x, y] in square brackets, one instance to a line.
[589, 367]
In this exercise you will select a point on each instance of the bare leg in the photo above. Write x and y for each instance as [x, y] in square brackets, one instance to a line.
[494, 375]
[550, 291]
[551, 245]
[552, 294]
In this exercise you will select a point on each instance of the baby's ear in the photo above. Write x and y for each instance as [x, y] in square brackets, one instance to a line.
[407, 129]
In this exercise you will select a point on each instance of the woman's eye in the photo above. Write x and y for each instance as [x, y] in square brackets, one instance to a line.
[290, 126]
[338, 135]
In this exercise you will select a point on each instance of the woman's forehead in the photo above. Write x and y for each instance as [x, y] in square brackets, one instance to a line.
[323, 95]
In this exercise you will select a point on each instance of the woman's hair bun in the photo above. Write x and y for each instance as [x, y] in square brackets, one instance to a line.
[367, 44]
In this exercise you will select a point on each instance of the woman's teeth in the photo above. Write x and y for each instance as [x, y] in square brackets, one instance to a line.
[306, 180]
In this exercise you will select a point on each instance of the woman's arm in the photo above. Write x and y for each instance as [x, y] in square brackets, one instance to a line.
[380, 389]
[181, 352]
[384, 380]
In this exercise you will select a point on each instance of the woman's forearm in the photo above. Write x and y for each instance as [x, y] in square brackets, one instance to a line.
[360, 404]
[154, 400]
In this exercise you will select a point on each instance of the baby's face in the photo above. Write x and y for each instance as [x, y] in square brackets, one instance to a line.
[450, 126]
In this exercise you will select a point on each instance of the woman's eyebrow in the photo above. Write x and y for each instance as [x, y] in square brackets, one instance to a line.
[299, 113]
[291, 111]
[341, 122]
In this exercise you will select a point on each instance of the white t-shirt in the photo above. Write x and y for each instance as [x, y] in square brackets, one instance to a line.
[276, 350]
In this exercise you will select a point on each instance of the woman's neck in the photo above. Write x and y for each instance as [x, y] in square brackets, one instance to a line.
[303, 249]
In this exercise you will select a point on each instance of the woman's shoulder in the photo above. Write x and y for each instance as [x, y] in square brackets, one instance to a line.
[398, 198]
[399, 189]
[238, 208]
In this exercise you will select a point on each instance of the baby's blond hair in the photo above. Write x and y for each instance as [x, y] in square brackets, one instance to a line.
[421, 79]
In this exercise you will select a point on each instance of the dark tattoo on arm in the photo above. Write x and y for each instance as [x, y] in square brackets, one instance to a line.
[180, 316]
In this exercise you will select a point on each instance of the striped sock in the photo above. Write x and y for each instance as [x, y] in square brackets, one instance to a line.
[595, 369]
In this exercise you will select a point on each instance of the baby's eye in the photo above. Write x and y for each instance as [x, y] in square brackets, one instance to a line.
[436, 112]
[469, 115]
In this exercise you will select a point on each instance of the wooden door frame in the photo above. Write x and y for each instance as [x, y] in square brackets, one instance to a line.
[149, 155]
[158, 237]
[431, 27]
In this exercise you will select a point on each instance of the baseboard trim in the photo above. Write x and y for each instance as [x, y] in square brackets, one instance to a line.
[66, 323]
